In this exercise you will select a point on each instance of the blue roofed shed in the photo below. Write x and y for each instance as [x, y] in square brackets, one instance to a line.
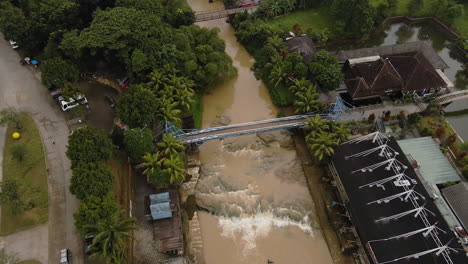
[159, 198]
[160, 210]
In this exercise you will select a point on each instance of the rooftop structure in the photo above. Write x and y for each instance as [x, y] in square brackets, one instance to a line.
[374, 76]
[432, 168]
[457, 197]
[163, 209]
[432, 162]
[434, 59]
[394, 216]
[303, 45]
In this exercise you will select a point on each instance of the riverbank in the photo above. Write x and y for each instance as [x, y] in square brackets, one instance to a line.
[323, 196]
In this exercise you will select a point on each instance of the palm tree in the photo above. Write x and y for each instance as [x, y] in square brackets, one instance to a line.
[276, 42]
[157, 80]
[307, 101]
[300, 86]
[322, 145]
[152, 164]
[341, 133]
[279, 73]
[170, 145]
[314, 126]
[169, 112]
[175, 168]
[110, 234]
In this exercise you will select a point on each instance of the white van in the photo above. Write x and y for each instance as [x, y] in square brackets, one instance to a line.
[71, 103]
[65, 256]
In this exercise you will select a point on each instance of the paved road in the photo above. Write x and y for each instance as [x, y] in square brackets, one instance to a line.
[29, 243]
[21, 88]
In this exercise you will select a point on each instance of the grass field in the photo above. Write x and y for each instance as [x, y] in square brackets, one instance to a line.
[321, 18]
[317, 18]
[30, 262]
[31, 175]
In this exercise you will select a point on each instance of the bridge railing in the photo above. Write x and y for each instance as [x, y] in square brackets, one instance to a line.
[273, 120]
[202, 138]
[451, 95]
[210, 11]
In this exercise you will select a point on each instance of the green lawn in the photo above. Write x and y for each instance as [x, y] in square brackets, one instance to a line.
[432, 122]
[30, 262]
[31, 174]
[321, 18]
[317, 18]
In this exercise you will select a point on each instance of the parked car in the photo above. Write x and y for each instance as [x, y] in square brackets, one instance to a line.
[13, 44]
[65, 256]
[88, 241]
[56, 93]
[71, 102]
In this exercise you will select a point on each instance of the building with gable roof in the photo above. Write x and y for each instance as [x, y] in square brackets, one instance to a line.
[411, 68]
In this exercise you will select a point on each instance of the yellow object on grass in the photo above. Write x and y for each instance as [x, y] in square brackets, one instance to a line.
[16, 135]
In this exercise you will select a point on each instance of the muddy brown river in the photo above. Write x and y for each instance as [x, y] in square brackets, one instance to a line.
[257, 205]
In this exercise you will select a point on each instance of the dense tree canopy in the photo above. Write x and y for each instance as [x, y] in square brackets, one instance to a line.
[92, 209]
[142, 42]
[88, 145]
[138, 142]
[354, 17]
[137, 106]
[326, 70]
[174, 12]
[57, 71]
[91, 179]
[31, 22]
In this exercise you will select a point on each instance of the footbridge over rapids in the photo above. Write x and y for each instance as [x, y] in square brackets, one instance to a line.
[333, 112]
[450, 97]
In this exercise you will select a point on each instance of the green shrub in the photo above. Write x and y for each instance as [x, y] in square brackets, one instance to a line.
[281, 96]
[18, 151]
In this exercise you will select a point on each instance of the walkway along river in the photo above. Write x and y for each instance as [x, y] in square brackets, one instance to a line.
[258, 207]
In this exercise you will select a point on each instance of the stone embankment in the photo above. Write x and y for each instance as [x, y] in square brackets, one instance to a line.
[187, 189]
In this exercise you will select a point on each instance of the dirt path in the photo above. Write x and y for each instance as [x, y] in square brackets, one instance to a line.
[322, 197]
[22, 89]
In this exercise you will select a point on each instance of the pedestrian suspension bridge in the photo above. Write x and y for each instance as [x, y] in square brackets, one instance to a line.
[333, 112]
[450, 97]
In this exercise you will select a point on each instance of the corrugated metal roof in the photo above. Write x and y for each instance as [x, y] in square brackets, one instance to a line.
[160, 211]
[435, 167]
[159, 198]
[457, 197]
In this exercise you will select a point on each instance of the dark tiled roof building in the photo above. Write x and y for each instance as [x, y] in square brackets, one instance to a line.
[302, 45]
[376, 76]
